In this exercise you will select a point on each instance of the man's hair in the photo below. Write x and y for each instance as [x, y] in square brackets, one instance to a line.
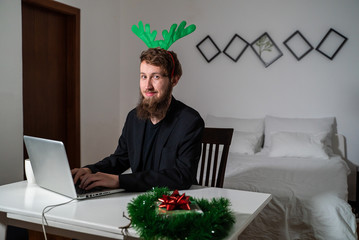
[163, 58]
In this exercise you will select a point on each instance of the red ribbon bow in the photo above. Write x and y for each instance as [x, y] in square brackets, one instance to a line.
[175, 201]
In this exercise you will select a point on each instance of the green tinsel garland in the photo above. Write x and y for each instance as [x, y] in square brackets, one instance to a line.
[215, 222]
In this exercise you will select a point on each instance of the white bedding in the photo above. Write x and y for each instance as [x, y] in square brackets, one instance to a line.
[309, 196]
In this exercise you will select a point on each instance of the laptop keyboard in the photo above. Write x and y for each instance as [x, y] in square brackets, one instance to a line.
[83, 191]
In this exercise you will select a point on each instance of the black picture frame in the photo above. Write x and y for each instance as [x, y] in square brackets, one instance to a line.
[211, 46]
[330, 36]
[229, 52]
[264, 45]
[298, 53]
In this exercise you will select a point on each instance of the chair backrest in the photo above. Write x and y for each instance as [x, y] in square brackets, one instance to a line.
[215, 148]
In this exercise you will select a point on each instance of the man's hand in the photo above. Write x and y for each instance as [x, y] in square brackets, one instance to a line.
[78, 173]
[99, 179]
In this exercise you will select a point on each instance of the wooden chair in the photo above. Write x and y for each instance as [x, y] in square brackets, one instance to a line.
[214, 159]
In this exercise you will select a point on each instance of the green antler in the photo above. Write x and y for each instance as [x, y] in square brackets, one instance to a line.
[174, 35]
[169, 37]
[144, 33]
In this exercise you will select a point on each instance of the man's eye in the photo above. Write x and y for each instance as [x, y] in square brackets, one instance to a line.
[143, 77]
[156, 77]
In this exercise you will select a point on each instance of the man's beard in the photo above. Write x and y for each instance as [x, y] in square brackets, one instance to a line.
[152, 107]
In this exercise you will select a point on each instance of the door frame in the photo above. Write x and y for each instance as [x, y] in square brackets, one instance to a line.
[72, 14]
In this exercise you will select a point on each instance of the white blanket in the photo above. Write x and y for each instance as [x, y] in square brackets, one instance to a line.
[309, 196]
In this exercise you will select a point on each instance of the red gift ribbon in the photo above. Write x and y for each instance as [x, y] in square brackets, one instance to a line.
[175, 201]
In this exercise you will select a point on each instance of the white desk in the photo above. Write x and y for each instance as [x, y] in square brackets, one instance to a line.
[21, 205]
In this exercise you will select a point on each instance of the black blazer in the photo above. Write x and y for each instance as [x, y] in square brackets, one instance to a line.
[177, 153]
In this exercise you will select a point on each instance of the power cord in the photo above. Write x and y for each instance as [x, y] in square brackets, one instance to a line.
[48, 209]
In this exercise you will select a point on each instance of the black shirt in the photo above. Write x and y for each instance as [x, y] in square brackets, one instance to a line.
[149, 144]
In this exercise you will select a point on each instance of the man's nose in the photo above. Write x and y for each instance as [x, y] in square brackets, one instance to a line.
[149, 84]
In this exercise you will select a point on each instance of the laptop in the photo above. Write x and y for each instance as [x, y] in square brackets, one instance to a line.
[52, 170]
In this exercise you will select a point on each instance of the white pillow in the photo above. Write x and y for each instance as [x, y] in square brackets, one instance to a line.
[292, 144]
[248, 133]
[304, 125]
[245, 143]
[238, 124]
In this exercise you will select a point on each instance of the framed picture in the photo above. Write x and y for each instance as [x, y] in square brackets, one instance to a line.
[235, 48]
[330, 45]
[266, 49]
[208, 49]
[298, 45]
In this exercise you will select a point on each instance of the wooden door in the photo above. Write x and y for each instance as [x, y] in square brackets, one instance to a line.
[51, 73]
[51, 76]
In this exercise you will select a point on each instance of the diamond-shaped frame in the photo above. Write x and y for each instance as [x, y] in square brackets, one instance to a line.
[227, 51]
[297, 54]
[267, 41]
[331, 34]
[210, 45]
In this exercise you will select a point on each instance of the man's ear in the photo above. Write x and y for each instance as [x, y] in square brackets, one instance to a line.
[175, 80]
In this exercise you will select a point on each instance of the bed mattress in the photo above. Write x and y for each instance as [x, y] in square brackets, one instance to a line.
[309, 196]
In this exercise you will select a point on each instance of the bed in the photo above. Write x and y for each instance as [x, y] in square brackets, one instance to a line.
[300, 162]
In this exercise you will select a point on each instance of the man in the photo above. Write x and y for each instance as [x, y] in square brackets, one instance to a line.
[161, 138]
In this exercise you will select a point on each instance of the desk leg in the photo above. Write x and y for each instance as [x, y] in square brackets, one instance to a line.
[3, 225]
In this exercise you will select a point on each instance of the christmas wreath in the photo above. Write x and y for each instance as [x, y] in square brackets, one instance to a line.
[152, 217]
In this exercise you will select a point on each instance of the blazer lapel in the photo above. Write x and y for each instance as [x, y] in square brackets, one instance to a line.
[139, 133]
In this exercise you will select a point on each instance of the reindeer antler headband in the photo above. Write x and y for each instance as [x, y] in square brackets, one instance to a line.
[148, 37]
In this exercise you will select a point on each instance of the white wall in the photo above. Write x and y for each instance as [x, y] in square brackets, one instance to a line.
[312, 87]
[11, 145]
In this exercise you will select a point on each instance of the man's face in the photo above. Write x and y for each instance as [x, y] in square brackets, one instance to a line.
[154, 84]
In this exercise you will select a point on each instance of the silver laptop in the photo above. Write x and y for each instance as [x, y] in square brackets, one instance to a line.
[52, 170]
